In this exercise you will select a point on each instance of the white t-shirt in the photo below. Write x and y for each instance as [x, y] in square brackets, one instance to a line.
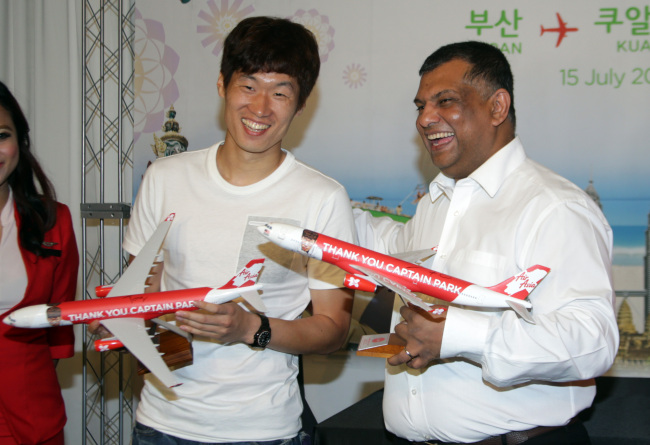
[498, 373]
[233, 392]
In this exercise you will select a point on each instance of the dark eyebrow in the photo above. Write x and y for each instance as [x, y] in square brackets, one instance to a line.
[286, 83]
[435, 96]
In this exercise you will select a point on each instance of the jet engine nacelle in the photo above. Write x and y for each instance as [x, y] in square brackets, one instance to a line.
[108, 344]
[357, 282]
[102, 291]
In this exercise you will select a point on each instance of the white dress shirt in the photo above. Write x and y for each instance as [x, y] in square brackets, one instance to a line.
[498, 373]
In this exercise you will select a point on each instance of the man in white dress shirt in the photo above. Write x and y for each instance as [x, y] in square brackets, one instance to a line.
[488, 376]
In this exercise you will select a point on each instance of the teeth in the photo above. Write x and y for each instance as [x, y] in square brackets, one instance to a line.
[254, 125]
[435, 136]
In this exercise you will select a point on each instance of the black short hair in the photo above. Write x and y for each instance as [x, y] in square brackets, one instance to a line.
[489, 64]
[272, 45]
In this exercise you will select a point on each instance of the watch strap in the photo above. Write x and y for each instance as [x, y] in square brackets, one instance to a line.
[263, 335]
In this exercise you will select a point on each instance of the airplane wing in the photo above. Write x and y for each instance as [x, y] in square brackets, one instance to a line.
[172, 327]
[402, 291]
[132, 331]
[133, 279]
[134, 336]
[422, 257]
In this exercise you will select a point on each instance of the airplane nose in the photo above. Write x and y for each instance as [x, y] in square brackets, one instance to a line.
[29, 317]
[284, 235]
[274, 235]
[265, 229]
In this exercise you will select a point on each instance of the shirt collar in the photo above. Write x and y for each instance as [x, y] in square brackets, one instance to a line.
[490, 176]
[7, 213]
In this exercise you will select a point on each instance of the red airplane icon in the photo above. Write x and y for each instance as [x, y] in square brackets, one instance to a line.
[562, 30]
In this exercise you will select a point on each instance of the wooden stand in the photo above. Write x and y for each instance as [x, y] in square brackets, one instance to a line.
[176, 350]
[380, 345]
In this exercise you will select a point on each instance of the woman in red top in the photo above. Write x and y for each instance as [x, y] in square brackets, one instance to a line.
[39, 263]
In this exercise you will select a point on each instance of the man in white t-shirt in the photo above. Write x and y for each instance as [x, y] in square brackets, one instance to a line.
[242, 386]
[487, 376]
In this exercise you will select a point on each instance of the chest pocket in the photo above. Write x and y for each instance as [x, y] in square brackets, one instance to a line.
[279, 262]
[480, 267]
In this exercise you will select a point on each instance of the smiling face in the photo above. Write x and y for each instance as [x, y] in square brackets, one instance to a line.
[459, 121]
[8, 152]
[259, 109]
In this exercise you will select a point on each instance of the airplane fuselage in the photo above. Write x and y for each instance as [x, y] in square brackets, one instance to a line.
[145, 306]
[401, 274]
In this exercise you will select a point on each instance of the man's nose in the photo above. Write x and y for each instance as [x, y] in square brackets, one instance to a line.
[260, 105]
[428, 116]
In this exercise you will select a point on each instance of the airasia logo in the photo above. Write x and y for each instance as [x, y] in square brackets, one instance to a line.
[353, 282]
[524, 281]
[527, 280]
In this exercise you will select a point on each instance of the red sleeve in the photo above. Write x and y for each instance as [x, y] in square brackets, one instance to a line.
[61, 339]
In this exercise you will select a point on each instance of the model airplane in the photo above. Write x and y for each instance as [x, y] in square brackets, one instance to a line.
[368, 269]
[562, 30]
[126, 306]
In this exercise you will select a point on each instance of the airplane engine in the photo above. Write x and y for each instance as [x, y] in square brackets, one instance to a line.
[102, 291]
[356, 282]
[107, 344]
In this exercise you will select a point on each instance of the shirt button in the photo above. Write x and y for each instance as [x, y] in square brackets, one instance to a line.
[456, 213]
[414, 391]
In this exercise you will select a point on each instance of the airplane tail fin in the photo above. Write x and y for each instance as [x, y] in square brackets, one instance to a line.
[247, 276]
[522, 284]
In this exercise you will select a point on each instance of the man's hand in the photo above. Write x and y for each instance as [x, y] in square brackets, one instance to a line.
[227, 323]
[422, 332]
[321, 333]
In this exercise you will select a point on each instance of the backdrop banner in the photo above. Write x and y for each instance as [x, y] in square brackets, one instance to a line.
[582, 85]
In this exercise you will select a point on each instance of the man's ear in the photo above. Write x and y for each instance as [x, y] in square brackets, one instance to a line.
[299, 111]
[500, 101]
[220, 86]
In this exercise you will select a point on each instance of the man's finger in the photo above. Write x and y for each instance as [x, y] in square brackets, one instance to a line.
[405, 356]
[401, 329]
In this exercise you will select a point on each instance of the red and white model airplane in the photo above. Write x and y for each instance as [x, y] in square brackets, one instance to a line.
[368, 269]
[126, 306]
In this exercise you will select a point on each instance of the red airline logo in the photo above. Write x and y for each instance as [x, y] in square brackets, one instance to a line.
[562, 29]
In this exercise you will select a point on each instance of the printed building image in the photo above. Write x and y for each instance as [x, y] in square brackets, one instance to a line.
[633, 358]
[633, 310]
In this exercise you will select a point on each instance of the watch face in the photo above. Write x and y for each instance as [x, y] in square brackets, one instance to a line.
[264, 338]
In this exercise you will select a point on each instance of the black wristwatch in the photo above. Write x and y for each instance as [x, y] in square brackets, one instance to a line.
[263, 334]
